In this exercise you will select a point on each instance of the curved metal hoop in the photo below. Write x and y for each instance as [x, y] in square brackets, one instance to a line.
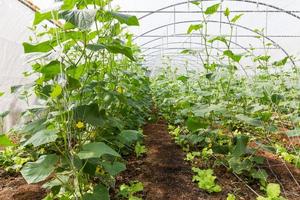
[227, 23]
[243, 1]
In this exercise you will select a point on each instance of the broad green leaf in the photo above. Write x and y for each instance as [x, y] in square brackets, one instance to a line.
[194, 124]
[57, 90]
[89, 114]
[34, 172]
[212, 9]
[1, 94]
[52, 69]
[114, 168]
[100, 192]
[234, 57]
[96, 47]
[39, 17]
[5, 141]
[276, 98]
[40, 47]
[194, 27]
[117, 47]
[125, 19]
[83, 19]
[240, 147]
[42, 137]
[129, 137]
[96, 150]
[281, 62]
[249, 120]
[236, 18]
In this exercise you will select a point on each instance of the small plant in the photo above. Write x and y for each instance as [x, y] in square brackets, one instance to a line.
[230, 197]
[129, 191]
[206, 180]
[139, 149]
[273, 193]
[192, 155]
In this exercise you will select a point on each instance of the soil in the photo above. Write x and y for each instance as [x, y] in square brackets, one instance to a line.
[14, 187]
[166, 176]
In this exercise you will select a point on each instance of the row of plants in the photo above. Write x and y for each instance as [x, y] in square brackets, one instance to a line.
[227, 119]
[93, 99]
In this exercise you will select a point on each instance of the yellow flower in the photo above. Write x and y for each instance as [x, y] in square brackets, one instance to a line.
[80, 125]
[120, 90]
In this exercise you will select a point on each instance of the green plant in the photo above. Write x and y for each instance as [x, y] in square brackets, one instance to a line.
[94, 98]
[273, 193]
[230, 197]
[129, 191]
[139, 149]
[206, 180]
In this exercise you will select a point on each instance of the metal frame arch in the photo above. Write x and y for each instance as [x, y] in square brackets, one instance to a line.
[227, 23]
[242, 1]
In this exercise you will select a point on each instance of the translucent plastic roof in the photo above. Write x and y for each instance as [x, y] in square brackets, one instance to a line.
[162, 31]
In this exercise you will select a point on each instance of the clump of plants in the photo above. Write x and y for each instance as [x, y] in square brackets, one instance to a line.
[93, 99]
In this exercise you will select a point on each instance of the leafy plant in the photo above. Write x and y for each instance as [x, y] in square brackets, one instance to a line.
[139, 149]
[129, 191]
[273, 193]
[206, 180]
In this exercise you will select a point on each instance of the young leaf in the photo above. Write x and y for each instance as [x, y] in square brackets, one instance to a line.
[236, 18]
[197, 3]
[130, 20]
[218, 38]
[194, 27]
[39, 17]
[281, 62]
[34, 172]
[212, 9]
[57, 90]
[273, 190]
[5, 141]
[227, 12]
[96, 150]
[1, 94]
[234, 57]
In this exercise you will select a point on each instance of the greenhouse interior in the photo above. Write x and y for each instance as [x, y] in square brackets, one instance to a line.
[149, 100]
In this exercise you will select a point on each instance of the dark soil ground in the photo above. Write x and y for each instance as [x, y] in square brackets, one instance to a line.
[14, 187]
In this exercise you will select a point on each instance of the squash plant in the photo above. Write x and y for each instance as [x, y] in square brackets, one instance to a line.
[93, 99]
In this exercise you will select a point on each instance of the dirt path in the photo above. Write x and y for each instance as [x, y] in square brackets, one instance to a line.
[164, 173]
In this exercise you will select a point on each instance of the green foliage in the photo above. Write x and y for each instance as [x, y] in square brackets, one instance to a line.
[273, 192]
[129, 191]
[206, 180]
[212, 9]
[139, 149]
[95, 98]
